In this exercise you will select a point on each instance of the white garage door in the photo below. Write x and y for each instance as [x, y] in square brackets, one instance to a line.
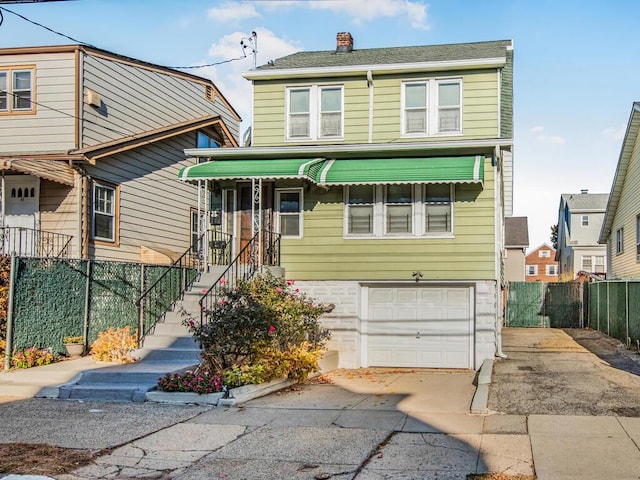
[427, 327]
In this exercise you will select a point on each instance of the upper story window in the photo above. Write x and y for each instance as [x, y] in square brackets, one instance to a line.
[205, 141]
[398, 210]
[289, 212]
[315, 112]
[585, 220]
[17, 91]
[619, 241]
[544, 253]
[432, 107]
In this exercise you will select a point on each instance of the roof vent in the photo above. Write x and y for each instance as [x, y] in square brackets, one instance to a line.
[584, 191]
[344, 42]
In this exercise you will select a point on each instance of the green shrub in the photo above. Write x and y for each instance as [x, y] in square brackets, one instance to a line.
[32, 357]
[201, 382]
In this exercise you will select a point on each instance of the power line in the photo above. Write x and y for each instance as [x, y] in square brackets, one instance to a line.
[44, 26]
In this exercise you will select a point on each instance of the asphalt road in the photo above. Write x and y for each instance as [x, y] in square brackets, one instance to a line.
[565, 372]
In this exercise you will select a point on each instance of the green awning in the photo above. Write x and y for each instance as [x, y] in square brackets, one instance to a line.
[300, 168]
[403, 170]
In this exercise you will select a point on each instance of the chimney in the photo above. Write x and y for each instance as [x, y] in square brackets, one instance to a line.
[344, 43]
[584, 191]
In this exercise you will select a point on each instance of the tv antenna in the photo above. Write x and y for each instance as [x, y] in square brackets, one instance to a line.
[251, 43]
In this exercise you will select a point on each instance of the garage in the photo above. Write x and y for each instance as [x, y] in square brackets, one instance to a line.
[420, 327]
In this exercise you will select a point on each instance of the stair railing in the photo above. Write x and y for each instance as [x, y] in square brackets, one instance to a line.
[243, 267]
[161, 296]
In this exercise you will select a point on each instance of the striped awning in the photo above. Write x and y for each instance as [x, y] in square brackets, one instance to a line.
[56, 171]
[300, 168]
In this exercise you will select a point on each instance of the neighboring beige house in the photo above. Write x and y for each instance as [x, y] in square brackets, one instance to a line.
[387, 174]
[516, 242]
[580, 217]
[540, 265]
[621, 227]
[91, 143]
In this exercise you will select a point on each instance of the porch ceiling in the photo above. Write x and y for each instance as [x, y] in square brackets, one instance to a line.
[59, 172]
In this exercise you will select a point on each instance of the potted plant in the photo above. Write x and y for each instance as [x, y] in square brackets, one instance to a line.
[74, 346]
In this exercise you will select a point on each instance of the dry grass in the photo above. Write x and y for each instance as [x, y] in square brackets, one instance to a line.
[41, 459]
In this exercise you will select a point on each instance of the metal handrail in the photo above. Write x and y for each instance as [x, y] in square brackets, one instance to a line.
[244, 267]
[30, 242]
[160, 297]
[220, 245]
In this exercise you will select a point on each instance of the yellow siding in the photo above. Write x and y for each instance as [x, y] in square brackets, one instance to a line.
[625, 264]
[480, 108]
[323, 253]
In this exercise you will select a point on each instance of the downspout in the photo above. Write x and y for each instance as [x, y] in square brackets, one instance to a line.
[499, 229]
[370, 85]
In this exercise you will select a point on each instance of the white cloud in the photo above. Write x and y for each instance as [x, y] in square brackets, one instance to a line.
[233, 12]
[540, 135]
[615, 133]
[366, 10]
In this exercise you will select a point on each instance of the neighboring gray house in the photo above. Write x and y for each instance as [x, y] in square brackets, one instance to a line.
[580, 217]
[91, 143]
[516, 241]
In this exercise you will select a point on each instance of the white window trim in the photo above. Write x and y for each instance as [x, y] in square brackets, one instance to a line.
[10, 71]
[385, 192]
[535, 270]
[544, 253]
[432, 108]
[113, 214]
[314, 112]
[550, 267]
[379, 216]
[300, 191]
[584, 221]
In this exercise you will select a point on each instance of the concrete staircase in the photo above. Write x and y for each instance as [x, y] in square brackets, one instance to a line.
[170, 348]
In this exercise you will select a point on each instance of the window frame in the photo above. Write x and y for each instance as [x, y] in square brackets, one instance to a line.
[451, 203]
[590, 261]
[550, 267]
[278, 214]
[584, 221]
[432, 107]
[314, 112]
[533, 273]
[638, 238]
[387, 217]
[619, 241]
[11, 97]
[115, 213]
[544, 254]
[379, 215]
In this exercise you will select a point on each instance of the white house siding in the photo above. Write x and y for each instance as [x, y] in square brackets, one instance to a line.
[59, 211]
[136, 99]
[625, 265]
[52, 128]
[154, 204]
[346, 324]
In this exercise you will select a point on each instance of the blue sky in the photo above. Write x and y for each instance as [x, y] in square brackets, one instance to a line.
[576, 63]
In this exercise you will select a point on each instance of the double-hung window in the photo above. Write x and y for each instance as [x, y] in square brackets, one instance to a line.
[532, 270]
[289, 212]
[438, 208]
[315, 112]
[432, 107]
[104, 212]
[552, 270]
[360, 206]
[17, 90]
[399, 209]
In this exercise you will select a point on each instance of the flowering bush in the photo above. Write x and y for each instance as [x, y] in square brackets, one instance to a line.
[261, 329]
[115, 345]
[32, 357]
[190, 381]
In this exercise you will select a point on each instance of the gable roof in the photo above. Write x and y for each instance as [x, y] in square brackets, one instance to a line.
[544, 246]
[476, 55]
[626, 152]
[516, 232]
[586, 201]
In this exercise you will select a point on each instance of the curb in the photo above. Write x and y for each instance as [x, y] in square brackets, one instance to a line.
[481, 397]
[236, 395]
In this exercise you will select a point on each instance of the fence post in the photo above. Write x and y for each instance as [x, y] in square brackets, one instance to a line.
[626, 313]
[608, 309]
[581, 296]
[9, 344]
[87, 305]
[141, 306]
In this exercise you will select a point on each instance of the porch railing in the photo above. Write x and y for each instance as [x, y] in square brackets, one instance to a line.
[160, 297]
[220, 245]
[29, 242]
[244, 266]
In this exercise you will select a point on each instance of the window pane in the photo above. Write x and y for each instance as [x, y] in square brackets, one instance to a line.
[438, 218]
[299, 126]
[359, 194]
[416, 121]
[449, 120]
[290, 225]
[103, 226]
[3, 90]
[289, 202]
[361, 219]
[599, 268]
[448, 94]
[299, 101]
[22, 80]
[399, 219]
[399, 194]
[331, 100]
[415, 95]
[438, 192]
[330, 124]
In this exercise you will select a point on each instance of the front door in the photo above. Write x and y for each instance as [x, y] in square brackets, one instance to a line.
[21, 200]
[245, 203]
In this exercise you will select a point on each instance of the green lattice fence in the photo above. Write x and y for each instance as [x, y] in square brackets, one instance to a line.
[614, 309]
[50, 298]
[524, 305]
[539, 304]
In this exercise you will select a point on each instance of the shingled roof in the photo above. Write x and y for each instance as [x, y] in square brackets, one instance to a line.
[392, 55]
[596, 202]
[516, 232]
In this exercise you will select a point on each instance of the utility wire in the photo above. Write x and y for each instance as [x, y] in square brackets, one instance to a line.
[45, 27]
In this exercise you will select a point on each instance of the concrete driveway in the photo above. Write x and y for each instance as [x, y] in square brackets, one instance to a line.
[565, 372]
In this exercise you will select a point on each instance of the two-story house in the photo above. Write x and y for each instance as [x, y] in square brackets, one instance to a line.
[516, 242]
[91, 143]
[580, 217]
[387, 171]
[621, 227]
[541, 265]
